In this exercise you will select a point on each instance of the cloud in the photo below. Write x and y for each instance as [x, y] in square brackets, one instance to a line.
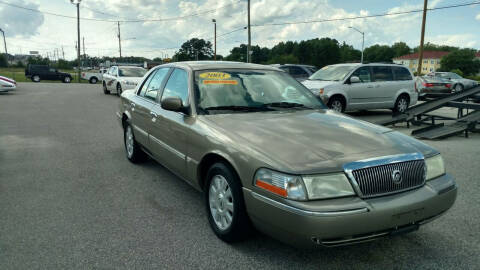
[478, 17]
[17, 22]
[458, 40]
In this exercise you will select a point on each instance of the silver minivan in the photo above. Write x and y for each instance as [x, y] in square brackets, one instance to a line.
[364, 86]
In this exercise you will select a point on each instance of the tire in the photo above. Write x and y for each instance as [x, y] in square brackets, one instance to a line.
[93, 80]
[337, 103]
[225, 205]
[67, 79]
[119, 89]
[401, 104]
[134, 153]
[105, 90]
[457, 88]
[35, 78]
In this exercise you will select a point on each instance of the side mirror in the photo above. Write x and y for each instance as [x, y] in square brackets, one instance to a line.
[172, 104]
[355, 79]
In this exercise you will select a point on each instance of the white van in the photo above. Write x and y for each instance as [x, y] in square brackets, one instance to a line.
[364, 86]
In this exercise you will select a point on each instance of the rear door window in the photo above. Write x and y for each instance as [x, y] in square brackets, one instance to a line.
[363, 74]
[382, 73]
[402, 74]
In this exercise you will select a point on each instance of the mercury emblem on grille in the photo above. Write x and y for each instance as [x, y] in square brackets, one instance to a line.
[397, 177]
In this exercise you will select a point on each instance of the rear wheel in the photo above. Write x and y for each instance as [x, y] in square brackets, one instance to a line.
[105, 90]
[67, 79]
[401, 105]
[336, 103]
[458, 88]
[225, 205]
[93, 80]
[35, 78]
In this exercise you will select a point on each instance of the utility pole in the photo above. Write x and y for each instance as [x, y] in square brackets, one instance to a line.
[77, 3]
[215, 39]
[84, 55]
[4, 43]
[119, 40]
[249, 35]
[63, 54]
[420, 49]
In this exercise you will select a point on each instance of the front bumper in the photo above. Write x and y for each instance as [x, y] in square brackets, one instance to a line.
[349, 220]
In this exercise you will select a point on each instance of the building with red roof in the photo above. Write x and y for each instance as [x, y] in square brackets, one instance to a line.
[431, 61]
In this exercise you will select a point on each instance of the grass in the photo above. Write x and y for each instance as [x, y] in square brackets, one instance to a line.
[18, 74]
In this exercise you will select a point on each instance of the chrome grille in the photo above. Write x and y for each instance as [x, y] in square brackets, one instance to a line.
[378, 180]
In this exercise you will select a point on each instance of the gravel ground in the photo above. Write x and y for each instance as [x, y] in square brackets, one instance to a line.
[69, 199]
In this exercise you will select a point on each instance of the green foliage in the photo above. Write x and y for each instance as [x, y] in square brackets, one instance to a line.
[193, 48]
[463, 59]
[3, 60]
[38, 60]
[457, 71]
[349, 54]
[475, 78]
[284, 59]
[400, 48]
[433, 47]
[379, 53]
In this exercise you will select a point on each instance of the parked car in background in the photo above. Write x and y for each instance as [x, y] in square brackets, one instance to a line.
[93, 76]
[7, 84]
[459, 83]
[364, 86]
[120, 78]
[299, 72]
[433, 86]
[44, 72]
[265, 151]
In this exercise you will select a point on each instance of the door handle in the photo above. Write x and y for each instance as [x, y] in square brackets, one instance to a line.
[153, 114]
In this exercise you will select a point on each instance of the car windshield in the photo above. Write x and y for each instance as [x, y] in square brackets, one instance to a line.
[131, 72]
[332, 73]
[248, 90]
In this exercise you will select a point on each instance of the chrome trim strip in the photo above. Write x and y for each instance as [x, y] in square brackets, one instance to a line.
[354, 240]
[373, 162]
[306, 212]
[144, 133]
[168, 147]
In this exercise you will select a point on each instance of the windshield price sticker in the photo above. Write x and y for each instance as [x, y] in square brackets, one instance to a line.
[217, 78]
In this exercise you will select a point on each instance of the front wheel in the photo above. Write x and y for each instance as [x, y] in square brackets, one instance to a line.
[105, 90]
[134, 153]
[336, 104]
[119, 89]
[36, 78]
[93, 80]
[401, 105]
[67, 79]
[225, 205]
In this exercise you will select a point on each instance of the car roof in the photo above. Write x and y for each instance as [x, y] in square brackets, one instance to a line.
[201, 65]
[288, 65]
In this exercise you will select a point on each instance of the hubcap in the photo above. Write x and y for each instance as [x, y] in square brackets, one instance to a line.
[67, 79]
[458, 88]
[129, 141]
[36, 78]
[402, 105]
[337, 106]
[221, 202]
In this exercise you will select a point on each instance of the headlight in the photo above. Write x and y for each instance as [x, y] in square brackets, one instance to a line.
[129, 83]
[287, 186]
[305, 187]
[327, 186]
[434, 167]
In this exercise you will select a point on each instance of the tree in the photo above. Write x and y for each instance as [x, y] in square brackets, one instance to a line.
[434, 47]
[238, 54]
[194, 49]
[463, 60]
[348, 54]
[38, 60]
[379, 53]
[3, 60]
[400, 48]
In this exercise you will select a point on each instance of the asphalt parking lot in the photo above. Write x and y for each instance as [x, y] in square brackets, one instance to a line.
[69, 199]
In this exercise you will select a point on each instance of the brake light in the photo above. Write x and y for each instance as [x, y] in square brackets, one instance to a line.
[448, 85]
[427, 84]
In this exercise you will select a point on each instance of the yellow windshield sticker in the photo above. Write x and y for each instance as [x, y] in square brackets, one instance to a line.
[215, 75]
[220, 82]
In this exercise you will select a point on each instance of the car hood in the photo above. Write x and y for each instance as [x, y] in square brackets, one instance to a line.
[315, 84]
[310, 141]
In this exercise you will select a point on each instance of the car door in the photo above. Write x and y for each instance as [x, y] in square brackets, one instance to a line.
[142, 104]
[361, 94]
[110, 80]
[385, 88]
[168, 133]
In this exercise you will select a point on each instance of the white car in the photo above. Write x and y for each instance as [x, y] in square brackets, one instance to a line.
[364, 86]
[7, 84]
[120, 78]
[93, 76]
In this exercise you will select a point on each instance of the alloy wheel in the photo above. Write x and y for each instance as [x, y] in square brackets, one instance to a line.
[402, 105]
[129, 141]
[337, 105]
[221, 202]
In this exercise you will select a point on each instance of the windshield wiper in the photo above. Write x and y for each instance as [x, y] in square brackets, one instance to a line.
[237, 108]
[285, 104]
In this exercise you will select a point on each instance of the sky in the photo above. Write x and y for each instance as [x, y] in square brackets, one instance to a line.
[34, 31]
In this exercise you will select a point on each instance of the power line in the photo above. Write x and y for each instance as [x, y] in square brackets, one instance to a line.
[122, 21]
[368, 16]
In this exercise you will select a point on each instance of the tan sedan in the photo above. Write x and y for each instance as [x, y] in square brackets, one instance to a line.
[269, 155]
